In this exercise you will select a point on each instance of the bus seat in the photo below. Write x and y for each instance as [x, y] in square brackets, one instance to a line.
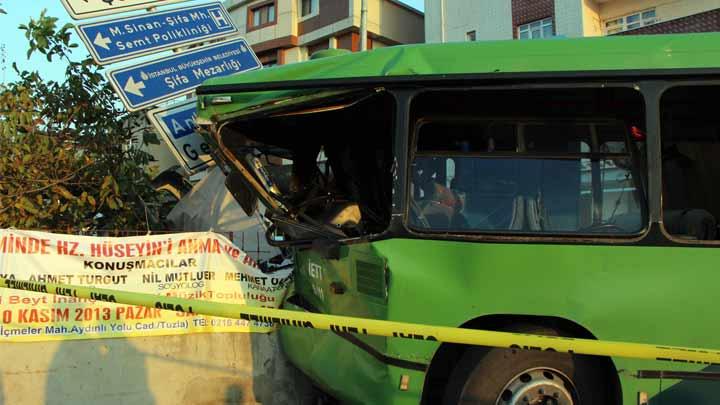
[537, 215]
[517, 221]
[691, 224]
[436, 214]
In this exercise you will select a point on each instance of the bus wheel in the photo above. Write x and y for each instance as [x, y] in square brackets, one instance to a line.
[494, 376]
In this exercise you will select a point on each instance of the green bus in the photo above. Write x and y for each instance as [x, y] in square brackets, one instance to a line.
[559, 187]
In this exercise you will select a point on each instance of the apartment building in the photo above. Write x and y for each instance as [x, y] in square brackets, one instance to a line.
[286, 31]
[463, 20]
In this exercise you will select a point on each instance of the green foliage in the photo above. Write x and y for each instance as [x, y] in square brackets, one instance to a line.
[43, 36]
[65, 157]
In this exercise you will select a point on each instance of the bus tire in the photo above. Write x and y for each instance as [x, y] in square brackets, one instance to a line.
[495, 376]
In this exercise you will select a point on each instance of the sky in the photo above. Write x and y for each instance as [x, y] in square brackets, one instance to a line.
[20, 12]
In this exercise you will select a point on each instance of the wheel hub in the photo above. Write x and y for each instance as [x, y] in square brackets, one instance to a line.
[540, 386]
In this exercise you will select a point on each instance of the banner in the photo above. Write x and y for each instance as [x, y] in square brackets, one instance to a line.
[204, 266]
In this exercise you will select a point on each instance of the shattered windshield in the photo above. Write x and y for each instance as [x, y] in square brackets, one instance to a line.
[322, 163]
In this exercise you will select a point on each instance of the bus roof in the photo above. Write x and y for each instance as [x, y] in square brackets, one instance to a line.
[493, 59]
[636, 52]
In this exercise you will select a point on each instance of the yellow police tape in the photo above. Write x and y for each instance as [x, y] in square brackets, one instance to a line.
[377, 327]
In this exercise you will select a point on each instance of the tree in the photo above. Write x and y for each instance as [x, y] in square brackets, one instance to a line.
[65, 157]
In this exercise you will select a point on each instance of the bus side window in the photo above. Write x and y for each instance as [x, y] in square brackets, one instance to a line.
[690, 165]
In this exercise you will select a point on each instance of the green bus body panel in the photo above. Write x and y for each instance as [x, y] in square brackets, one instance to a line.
[644, 52]
[625, 293]
[346, 371]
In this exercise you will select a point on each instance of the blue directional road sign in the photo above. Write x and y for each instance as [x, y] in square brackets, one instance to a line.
[124, 38]
[149, 83]
[176, 125]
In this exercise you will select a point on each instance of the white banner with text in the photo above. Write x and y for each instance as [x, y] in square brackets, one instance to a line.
[204, 266]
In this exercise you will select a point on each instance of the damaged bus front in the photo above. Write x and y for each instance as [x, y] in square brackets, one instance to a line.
[459, 185]
[320, 174]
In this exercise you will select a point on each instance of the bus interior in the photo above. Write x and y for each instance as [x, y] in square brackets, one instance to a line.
[690, 134]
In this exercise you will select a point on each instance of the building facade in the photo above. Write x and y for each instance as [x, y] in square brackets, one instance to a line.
[286, 31]
[463, 20]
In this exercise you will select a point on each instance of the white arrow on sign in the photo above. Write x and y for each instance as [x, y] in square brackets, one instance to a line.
[134, 87]
[101, 41]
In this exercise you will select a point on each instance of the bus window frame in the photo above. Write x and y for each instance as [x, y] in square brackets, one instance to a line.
[528, 237]
[661, 91]
[650, 83]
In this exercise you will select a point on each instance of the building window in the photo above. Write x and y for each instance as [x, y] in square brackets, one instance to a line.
[471, 36]
[269, 58]
[309, 8]
[536, 29]
[262, 15]
[631, 21]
